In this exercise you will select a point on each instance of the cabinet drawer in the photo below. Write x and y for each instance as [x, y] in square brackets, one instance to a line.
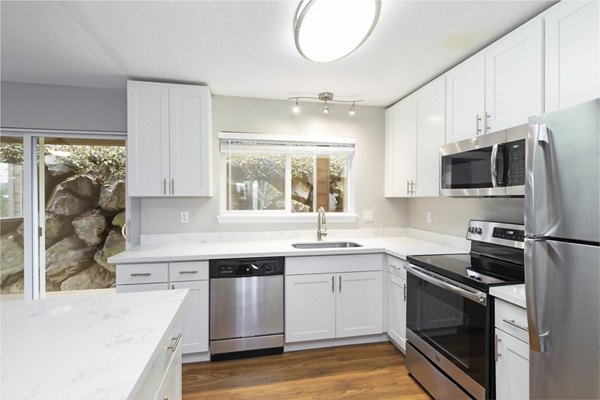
[512, 319]
[188, 271]
[129, 274]
[396, 266]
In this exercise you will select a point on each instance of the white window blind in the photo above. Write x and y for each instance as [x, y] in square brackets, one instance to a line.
[231, 142]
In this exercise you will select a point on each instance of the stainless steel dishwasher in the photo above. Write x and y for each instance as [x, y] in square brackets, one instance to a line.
[246, 307]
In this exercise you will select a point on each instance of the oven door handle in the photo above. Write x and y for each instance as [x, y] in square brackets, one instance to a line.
[476, 296]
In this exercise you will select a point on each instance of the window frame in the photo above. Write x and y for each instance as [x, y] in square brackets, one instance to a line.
[286, 215]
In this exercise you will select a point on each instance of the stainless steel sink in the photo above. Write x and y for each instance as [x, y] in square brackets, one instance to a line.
[325, 245]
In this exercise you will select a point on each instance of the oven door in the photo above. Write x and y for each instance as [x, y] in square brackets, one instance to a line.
[448, 323]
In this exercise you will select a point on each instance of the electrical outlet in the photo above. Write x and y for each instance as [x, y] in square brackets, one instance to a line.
[368, 215]
[184, 216]
[428, 217]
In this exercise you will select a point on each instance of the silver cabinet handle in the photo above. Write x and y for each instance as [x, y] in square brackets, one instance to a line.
[140, 274]
[486, 123]
[405, 292]
[165, 186]
[172, 185]
[340, 283]
[412, 187]
[493, 165]
[513, 323]
[173, 346]
[497, 353]
[332, 283]
[473, 295]
[187, 272]
[407, 188]
[477, 121]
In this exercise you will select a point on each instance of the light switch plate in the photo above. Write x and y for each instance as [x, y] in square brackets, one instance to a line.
[368, 215]
[184, 216]
[428, 217]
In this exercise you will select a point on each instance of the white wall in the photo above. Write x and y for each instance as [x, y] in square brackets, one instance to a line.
[275, 117]
[26, 105]
[451, 215]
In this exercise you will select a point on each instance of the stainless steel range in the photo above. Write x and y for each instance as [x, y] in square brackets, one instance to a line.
[450, 316]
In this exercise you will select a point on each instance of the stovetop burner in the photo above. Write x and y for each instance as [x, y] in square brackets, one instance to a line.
[471, 269]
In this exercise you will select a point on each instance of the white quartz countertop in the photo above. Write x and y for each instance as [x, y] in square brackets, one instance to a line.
[514, 294]
[83, 347]
[188, 251]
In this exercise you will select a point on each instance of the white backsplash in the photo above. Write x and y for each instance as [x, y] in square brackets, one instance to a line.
[304, 235]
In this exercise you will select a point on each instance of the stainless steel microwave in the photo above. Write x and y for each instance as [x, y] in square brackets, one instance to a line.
[485, 166]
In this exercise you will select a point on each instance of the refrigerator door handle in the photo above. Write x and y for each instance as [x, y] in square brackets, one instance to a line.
[536, 288]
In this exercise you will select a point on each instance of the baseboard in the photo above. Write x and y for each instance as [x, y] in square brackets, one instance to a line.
[319, 344]
[195, 357]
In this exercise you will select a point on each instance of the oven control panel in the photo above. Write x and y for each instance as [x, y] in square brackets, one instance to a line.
[505, 234]
[509, 234]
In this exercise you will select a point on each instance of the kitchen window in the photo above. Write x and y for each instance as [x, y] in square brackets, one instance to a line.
[275, 178]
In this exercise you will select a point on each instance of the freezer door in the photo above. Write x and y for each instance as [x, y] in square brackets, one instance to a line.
[563, 300]
[563, 174]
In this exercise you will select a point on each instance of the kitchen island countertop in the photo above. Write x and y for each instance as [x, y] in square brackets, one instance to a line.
[83, 347]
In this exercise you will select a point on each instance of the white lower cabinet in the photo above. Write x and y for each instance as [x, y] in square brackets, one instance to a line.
[163, 379]
[309, 307]
[512, 351]
[195, 316]
[176, 275]
[396, 301]
[333, 304]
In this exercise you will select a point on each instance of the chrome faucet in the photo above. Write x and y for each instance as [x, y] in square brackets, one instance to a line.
[321, 224]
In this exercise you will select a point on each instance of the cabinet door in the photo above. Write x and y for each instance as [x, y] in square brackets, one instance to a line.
[190, 141]
[309, 307]
[397, 310]
[171, 386]
[195, 316]
[147, 139]
[465, 97]
[572, 53]
[401, 147]
[512, 367]
[359, 305]
[431, 112]
[514, 77]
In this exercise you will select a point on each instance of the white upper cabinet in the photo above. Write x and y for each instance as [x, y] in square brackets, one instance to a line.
[572, 53]
[514, 77]
[168, 140]
[401, 146]
[431, 110]
[465, 99]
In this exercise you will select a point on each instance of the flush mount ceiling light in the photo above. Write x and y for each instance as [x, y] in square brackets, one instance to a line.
[326, 98]
[327, 30]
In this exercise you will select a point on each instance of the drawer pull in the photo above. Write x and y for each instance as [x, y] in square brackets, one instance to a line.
[187, 272]
[513, 323]
[140, 274]
[173, 347]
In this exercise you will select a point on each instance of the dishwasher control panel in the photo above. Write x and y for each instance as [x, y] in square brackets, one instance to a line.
[236, 267]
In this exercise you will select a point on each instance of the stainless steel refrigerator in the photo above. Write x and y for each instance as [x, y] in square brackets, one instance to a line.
[562, 253]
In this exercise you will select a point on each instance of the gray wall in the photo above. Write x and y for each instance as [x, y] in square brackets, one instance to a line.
[275, 117]
[451, 215]
[26, 105]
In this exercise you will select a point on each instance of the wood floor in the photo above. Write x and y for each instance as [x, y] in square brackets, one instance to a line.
[372, 371]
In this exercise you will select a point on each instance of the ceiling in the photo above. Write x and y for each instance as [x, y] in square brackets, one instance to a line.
[243, 48]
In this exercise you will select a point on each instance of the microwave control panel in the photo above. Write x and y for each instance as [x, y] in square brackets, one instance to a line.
[515, 157]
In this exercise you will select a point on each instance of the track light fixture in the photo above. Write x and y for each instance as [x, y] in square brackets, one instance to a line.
[326, 98]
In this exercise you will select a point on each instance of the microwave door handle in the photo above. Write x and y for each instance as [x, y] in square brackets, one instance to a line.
[501, 164]
[493, 168]
[476, 296]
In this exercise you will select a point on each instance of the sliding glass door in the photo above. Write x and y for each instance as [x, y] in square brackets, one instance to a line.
[76, 217]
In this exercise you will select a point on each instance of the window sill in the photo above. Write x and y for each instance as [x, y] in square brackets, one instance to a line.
[287, 218]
